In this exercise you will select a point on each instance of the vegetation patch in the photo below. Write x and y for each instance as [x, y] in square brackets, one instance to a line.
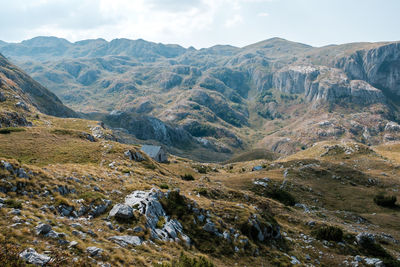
[9, 130]
[329, 233]
[164, 186]
[282, 196]
[15, 204]
[385, 201]
[187, 177]
[149, 165]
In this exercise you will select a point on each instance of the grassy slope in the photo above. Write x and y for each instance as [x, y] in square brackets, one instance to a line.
[57, 156]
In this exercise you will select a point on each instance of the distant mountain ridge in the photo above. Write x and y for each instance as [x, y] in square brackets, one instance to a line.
[274, 93]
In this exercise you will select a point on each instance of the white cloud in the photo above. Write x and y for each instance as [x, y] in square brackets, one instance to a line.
[235, 20]
[263, 14]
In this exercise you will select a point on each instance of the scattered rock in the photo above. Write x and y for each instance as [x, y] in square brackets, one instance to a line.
[127, 240]
[365, 239]
[22, 105]
[32, 257]
[294, 260]
[73, 244]
[263, 182]
[7, 166]
[374, 262]
[94, 251]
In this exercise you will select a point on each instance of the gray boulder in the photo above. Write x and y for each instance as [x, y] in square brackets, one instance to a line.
[97, 210]
[22, 173]
[121, 211]
[32, 257]
[2, 97]
[127, 240]
[43, 229]
[94, 251]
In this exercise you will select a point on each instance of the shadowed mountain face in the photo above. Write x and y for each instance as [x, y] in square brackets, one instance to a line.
[20, 87]
[276, 94]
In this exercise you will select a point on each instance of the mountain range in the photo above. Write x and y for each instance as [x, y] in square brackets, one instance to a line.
[275, 94]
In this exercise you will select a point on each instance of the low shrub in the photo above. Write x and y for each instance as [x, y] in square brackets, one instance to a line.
[385, 201]
[187, 177]
[9, 130]
[282, 196]
[149, 165]
[164, 186]
[174, 204]
[161, 222]
[202, 191]
[329, 233]
[15, 204]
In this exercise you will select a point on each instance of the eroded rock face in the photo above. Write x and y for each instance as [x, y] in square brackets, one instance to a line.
[325, 84]
[378, 66]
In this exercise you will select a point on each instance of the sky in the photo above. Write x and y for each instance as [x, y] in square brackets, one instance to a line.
[203, 23]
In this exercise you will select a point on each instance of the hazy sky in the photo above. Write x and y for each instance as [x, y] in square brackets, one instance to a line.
[203, 23]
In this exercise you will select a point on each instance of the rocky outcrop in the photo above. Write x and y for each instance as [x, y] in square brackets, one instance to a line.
[157, 221]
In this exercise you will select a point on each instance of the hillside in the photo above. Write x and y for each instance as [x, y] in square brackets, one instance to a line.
[79, 200]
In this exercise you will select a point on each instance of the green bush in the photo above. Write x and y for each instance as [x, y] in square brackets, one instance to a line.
[9, 130]
[174, 204]
[164, 186]
[187, 177]
[202, 191]
[282, 196]
[15, 204]
[385, 201]
[330, 233]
